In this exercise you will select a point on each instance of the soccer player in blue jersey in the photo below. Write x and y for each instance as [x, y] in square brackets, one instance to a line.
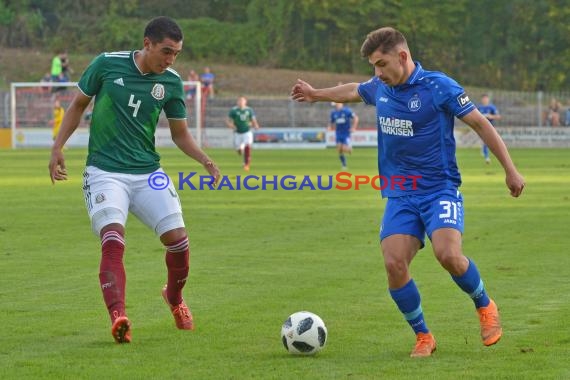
[344, 121]
[131, 89]
[491, 112]
[416, 151]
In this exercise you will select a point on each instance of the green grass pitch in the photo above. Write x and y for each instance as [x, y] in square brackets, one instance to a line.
[258, 256]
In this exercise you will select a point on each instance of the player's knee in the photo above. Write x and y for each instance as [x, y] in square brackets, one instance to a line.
[395, 266]
[171, 228]
[451, 259]
[107, 219]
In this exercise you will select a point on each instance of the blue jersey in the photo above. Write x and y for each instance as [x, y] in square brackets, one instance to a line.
[415, 131]
[489, 109]
[342, 119]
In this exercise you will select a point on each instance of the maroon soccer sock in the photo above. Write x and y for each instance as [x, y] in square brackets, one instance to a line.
[247, 155]
[178, 264]
[112, 273]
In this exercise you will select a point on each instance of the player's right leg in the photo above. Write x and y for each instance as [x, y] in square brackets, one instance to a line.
[341, 156]
[248, 142]
[106, 199]
[401, 237]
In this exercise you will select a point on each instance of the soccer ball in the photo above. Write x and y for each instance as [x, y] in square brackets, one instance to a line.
[304, 333]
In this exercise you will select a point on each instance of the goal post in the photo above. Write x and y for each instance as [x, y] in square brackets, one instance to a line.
[31, 114]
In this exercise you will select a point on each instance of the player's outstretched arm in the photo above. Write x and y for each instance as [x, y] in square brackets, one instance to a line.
[344, 93]
[69, 124]
[186, 143]
[483, 127]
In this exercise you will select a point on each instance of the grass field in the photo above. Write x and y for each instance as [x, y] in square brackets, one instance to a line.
[258, 256]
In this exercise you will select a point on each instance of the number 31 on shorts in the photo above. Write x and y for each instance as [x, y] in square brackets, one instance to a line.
[452, 212]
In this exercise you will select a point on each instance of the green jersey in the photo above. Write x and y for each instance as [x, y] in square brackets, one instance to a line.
[242, 118]
[127, 106]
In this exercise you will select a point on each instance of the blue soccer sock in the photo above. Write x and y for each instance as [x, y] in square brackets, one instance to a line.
[408, 300]
[470, 282]
[485, 151]
[342, 159]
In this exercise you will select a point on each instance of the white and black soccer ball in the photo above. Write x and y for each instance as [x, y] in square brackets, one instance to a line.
[304, 333]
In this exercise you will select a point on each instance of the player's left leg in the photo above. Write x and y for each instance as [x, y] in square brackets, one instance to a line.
[161, 211]
[177, 260]
[445, 228]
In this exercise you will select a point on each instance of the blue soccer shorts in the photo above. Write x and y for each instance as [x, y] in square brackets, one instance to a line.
[417, 215]
[343, 139]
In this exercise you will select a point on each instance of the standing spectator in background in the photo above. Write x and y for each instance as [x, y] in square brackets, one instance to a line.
[207, 79]
[241, 118]
[191, 89]
[344, 121]
[65, 67]
[490, 111]
[58, 113]
[56, 66]
[554, 109]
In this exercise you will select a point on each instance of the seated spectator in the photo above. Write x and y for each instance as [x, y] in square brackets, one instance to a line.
[46, 79]
[207, 79]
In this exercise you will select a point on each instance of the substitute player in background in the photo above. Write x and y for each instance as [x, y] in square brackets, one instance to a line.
[344, 121]
[123, 170]
[241, 118]
[490, 111]
[57, 117]
[415, 115]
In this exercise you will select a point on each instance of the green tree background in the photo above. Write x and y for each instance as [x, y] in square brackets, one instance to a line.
[516, 44]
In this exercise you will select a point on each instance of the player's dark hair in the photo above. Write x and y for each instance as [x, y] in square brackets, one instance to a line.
[163, 27]
[383, 39]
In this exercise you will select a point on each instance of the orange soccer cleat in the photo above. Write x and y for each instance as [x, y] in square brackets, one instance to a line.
[121, 330]
[491, 330]
[181, 313]
[425, 345]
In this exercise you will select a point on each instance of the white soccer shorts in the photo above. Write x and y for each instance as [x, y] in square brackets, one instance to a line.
[109, 197]
[243, 139]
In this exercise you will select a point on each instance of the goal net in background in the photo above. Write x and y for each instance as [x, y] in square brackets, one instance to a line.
[31, 112]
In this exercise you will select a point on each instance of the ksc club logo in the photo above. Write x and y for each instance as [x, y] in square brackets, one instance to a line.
[414, 104]
[158, 91]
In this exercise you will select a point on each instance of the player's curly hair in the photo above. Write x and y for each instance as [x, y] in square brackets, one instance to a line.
[163, 27]
[384, 39]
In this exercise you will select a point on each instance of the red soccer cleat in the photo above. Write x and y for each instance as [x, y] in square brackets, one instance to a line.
[181, 313]
[121, 330]
[425, 345]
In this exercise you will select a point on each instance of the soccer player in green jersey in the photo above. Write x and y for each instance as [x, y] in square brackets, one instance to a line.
[123, 171]
[241, 118]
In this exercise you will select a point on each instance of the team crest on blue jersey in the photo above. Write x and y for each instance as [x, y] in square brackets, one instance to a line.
[414, 104]
[158, 91]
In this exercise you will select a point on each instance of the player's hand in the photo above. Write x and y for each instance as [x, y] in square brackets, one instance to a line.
[302, 92]
[515, 183]
[57, 171]
[213, 170]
